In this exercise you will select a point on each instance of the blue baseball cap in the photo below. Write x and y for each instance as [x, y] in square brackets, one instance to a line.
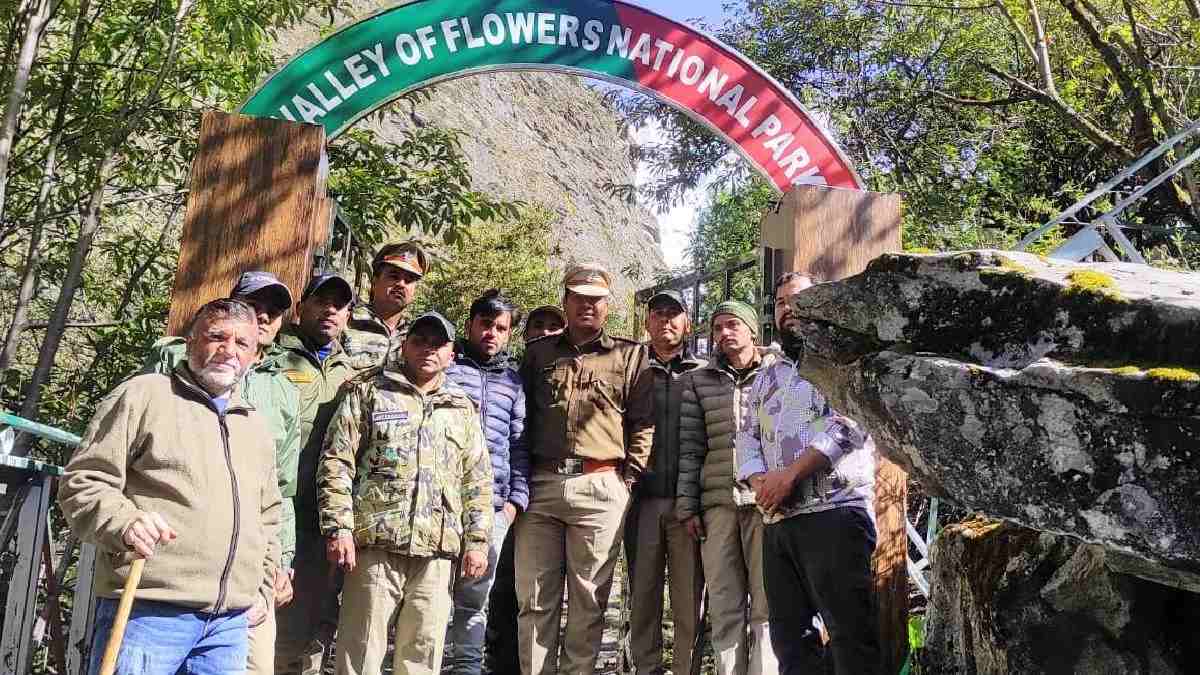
[263, 285]
[332, 282]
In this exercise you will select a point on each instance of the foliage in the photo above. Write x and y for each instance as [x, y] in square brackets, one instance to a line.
[511, 256]
[112, 120]
[421, 184]
[985, 128]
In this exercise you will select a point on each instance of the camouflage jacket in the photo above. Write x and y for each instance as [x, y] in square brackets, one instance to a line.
[407, 471]
[369, 342]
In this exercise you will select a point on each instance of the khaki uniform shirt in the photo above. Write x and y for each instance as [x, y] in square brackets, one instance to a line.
[594, 401]
[369, 342]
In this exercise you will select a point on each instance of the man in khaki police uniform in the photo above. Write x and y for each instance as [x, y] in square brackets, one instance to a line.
[590, 427]
[376, 330]
[317, 364]
[406, 487]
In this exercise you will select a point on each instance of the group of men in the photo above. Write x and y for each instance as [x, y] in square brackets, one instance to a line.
[396, 485]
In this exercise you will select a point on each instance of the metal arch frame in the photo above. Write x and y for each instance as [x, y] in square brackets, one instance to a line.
[569, 70]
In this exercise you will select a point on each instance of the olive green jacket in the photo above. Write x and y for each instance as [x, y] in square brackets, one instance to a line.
[594, 401]
[278, 401]
[319, 383]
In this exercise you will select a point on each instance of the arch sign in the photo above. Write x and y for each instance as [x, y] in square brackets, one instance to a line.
[369, 63]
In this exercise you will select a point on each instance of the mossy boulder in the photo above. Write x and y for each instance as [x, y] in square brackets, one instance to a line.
[1063, 397]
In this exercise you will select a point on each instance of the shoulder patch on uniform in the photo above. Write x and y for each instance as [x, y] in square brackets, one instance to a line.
[299, 376]
[390, 416]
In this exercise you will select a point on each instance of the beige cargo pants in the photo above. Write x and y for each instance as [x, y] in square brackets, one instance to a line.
[380, 584]
[570, 535]
[733, 569]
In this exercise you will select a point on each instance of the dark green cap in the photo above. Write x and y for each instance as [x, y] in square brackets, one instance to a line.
[669, 294]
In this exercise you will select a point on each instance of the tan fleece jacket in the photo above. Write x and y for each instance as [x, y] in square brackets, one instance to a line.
[157, 443]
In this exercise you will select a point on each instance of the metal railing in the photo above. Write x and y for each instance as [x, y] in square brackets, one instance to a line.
[1089, 239]
[32, 483]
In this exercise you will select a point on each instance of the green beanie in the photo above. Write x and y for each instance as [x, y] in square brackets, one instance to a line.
[741, 310]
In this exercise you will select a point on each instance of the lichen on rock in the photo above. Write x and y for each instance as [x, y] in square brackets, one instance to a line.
[1061, 396]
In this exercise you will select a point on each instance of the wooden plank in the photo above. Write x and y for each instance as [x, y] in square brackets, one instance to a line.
[83, 612]
[16, 640]
[255, 184]
[834, 233]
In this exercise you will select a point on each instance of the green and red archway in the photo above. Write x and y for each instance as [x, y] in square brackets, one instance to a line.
[373, 61]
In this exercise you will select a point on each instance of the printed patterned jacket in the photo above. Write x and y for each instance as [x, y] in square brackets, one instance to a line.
[784, 416]
[407, 471]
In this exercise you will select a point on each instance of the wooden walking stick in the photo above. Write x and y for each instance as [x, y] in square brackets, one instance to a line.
[109, 663]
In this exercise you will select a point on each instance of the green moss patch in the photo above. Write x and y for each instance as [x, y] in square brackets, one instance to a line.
[1173, 374]
[1093, 283]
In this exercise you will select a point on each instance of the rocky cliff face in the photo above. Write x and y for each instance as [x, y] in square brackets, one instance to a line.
[543, 139]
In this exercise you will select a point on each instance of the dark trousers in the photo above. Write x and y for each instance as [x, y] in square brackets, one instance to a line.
[821, 563]
[501, 650]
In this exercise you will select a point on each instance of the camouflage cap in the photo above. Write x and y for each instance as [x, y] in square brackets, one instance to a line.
[406, 255]
[588, 279]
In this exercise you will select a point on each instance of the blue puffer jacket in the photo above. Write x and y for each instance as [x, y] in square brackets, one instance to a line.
[496, 388]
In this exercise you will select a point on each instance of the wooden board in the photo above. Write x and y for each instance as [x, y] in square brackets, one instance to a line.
[834, 233]
[255, 185]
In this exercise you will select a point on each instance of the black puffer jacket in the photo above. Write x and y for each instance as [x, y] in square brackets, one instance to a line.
[661, 476]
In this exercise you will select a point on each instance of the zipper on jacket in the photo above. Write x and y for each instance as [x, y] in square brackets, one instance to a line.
[237, 518]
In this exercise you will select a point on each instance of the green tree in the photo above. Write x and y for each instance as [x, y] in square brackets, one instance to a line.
[96, 178]
[512, 256]
[988, 117]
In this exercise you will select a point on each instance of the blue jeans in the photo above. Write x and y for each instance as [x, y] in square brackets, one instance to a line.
[468, 625]
[165, 639]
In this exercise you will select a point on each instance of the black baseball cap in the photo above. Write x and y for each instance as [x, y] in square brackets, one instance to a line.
[332, 282]
[439, 322]
[263, 285]
[669, 295]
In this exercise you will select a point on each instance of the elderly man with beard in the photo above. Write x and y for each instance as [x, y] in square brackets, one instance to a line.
[813, 475]
[655, 539]
[180, 470]
[277, 399]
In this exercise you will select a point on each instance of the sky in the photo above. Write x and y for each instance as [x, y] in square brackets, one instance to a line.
[674, 225]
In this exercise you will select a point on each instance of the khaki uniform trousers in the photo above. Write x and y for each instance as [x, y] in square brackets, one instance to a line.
[384, 587]
[660, 541]
[260, 653]
[573, 522]
[732, 552]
